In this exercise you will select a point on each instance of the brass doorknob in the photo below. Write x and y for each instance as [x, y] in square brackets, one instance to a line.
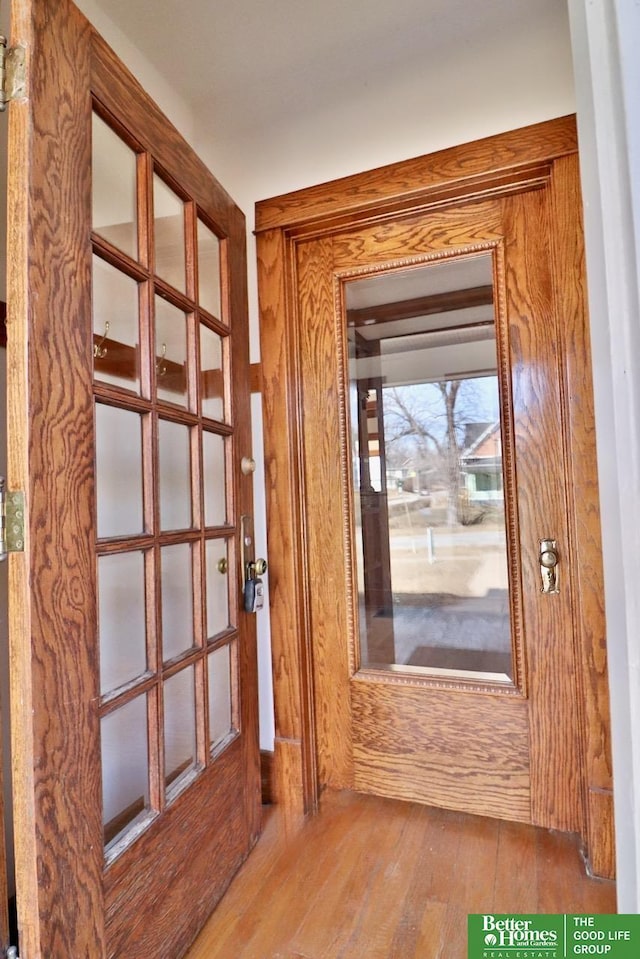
[257, 567]
[223, 566]
[549, 559]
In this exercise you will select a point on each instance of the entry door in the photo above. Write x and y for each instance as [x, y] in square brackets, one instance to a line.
[137, 783]
[463, 692]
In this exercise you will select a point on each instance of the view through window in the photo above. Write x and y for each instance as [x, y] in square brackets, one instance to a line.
[427, 463]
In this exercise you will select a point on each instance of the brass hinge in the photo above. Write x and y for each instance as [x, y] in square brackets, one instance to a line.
[11, 521]
[12, 73]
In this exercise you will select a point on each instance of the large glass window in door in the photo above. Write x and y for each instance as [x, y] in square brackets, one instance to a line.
[429, 485]
[168, 639]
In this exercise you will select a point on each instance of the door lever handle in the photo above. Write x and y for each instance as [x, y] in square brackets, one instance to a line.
[549, 565]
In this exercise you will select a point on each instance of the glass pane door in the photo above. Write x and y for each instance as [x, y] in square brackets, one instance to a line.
[426, 432]
[168, 641]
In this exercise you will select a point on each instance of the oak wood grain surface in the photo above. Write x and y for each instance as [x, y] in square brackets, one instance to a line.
[54, 691]
[68, 904]
[469, 752]
[323, 496]
[391, 880]
[557, 782]
[451, 749]
[294, 776]
[567, 248]
[359, 214]
[484, 165]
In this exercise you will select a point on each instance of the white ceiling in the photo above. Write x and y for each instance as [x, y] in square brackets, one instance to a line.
[245, 63]
[279, 94]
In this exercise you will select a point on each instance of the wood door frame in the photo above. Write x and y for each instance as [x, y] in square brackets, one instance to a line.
[543, 155]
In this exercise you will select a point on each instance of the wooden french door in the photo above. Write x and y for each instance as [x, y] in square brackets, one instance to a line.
[137, 787]
[500, 745]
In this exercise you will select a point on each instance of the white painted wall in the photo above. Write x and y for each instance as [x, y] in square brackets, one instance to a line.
[473, 88]
[476, 88]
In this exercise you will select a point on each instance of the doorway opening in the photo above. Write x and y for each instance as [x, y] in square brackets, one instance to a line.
[517, 194]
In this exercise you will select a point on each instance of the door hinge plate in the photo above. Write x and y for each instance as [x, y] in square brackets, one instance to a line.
[11, 521]
[12, 73]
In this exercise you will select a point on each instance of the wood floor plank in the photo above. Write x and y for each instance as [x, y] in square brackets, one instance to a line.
[476, 864]
[431, 939]
[365, 929]
[349, 889]
[516, 890]
[562, 883]
[251, 907]
[312, 858]
[375, 878]
[434, 874]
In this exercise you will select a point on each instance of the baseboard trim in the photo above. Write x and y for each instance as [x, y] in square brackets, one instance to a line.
[600, 839]
[266, 775]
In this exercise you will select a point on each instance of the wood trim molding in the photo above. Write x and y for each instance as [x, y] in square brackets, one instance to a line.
[508, 163]
[294, 780]
[255, 372]
[585, 545]
[55, 725]
[266, 775]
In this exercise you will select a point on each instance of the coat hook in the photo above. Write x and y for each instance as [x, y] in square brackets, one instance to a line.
[99, 350]
[161, 366]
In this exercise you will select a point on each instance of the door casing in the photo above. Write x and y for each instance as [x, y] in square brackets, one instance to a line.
[542, 156]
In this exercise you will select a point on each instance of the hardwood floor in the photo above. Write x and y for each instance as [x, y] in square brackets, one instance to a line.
[371, 878]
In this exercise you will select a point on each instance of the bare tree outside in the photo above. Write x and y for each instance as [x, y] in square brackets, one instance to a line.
[428, 423]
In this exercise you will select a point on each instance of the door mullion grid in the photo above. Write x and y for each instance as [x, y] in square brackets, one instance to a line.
[187, 305]
[155, 710]
[230, 482]
[190, 226]
[144, 197]
[197, 486]
[145, 304]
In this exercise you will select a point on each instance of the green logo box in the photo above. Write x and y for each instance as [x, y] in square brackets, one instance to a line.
[515, 936]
